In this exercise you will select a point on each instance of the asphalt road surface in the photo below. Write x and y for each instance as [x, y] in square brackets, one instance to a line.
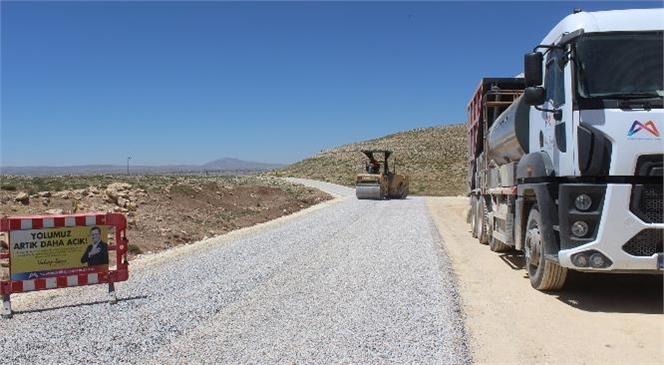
[347, 281]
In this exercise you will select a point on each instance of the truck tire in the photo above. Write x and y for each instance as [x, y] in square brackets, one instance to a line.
[483, 233]
[473, 216]
[544, 274]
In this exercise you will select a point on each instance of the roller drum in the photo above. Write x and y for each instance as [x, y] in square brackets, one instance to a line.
[368, 191]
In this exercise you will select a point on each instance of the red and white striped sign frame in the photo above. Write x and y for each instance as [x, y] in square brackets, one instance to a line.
[121, 272]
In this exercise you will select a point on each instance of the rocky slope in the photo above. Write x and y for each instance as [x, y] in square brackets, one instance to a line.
[435, 158]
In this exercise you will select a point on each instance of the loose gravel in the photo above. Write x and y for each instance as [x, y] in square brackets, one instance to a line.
[354, 282]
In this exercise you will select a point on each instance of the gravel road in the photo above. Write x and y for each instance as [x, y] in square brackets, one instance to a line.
[348, 282]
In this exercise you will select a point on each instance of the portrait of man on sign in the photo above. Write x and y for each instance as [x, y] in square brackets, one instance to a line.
[97, 252]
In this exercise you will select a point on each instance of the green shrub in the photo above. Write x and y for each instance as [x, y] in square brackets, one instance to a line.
[8, 187]
[134, 249]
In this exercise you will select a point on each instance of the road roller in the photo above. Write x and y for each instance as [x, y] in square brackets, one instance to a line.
[378, 181]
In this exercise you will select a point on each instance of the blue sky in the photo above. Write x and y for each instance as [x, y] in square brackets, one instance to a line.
[187, 83]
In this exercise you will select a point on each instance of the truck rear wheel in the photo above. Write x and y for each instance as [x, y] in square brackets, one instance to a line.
[479, 219]
[483, 217]
[473, 216]
[544, 274]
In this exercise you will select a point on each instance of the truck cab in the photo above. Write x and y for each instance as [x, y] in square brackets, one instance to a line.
[588, 178]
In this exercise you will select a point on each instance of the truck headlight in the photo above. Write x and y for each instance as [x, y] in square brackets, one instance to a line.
[597, 260]
[580, 259]
[583, 202]
[579, 228]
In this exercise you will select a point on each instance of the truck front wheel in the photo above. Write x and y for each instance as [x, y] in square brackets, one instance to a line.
[544, 274]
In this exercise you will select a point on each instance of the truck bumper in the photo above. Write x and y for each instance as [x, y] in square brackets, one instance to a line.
[619, 226]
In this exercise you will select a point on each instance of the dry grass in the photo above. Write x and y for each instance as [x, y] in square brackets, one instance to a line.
[165, 210]
[435, 158]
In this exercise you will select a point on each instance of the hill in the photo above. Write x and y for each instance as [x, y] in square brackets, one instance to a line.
[434, 157]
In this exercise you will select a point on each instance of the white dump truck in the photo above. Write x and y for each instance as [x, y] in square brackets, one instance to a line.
[566, 162]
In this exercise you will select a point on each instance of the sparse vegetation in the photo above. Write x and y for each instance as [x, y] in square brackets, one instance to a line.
[162, 211]
[8, 187]
[35, 184]
[168, 210]
[435, 158]
[134, 249]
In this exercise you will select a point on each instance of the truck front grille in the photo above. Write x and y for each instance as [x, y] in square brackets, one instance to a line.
[647, 202]
[646, 243]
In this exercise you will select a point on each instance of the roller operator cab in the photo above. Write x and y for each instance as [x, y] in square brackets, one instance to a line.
[566, 163]
[379, 179]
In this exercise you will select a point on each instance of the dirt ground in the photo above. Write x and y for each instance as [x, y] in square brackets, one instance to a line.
[162, 211]
[595, 319]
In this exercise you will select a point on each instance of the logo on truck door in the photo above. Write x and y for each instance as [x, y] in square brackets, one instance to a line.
[648, 126]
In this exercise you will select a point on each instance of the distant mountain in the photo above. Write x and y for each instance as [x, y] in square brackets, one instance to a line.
[223, 165]
[233, 164]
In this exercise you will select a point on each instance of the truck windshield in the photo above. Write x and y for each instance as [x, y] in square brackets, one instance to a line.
[620, 65]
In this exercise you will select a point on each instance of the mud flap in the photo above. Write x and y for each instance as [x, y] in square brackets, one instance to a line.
[548, 213]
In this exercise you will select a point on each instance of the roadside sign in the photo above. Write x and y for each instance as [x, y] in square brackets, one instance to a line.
[58, 251]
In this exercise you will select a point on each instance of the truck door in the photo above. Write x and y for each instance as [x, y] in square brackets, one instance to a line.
[558, 97]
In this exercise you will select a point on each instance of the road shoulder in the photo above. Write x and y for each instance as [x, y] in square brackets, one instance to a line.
[508, 322]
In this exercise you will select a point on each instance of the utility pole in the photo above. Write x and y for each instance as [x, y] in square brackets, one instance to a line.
[128, 158]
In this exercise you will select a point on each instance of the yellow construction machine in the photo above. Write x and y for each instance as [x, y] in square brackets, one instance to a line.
[378, 181]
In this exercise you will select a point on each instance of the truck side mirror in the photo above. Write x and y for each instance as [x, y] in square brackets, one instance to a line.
[534, 95]
[532, 65]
